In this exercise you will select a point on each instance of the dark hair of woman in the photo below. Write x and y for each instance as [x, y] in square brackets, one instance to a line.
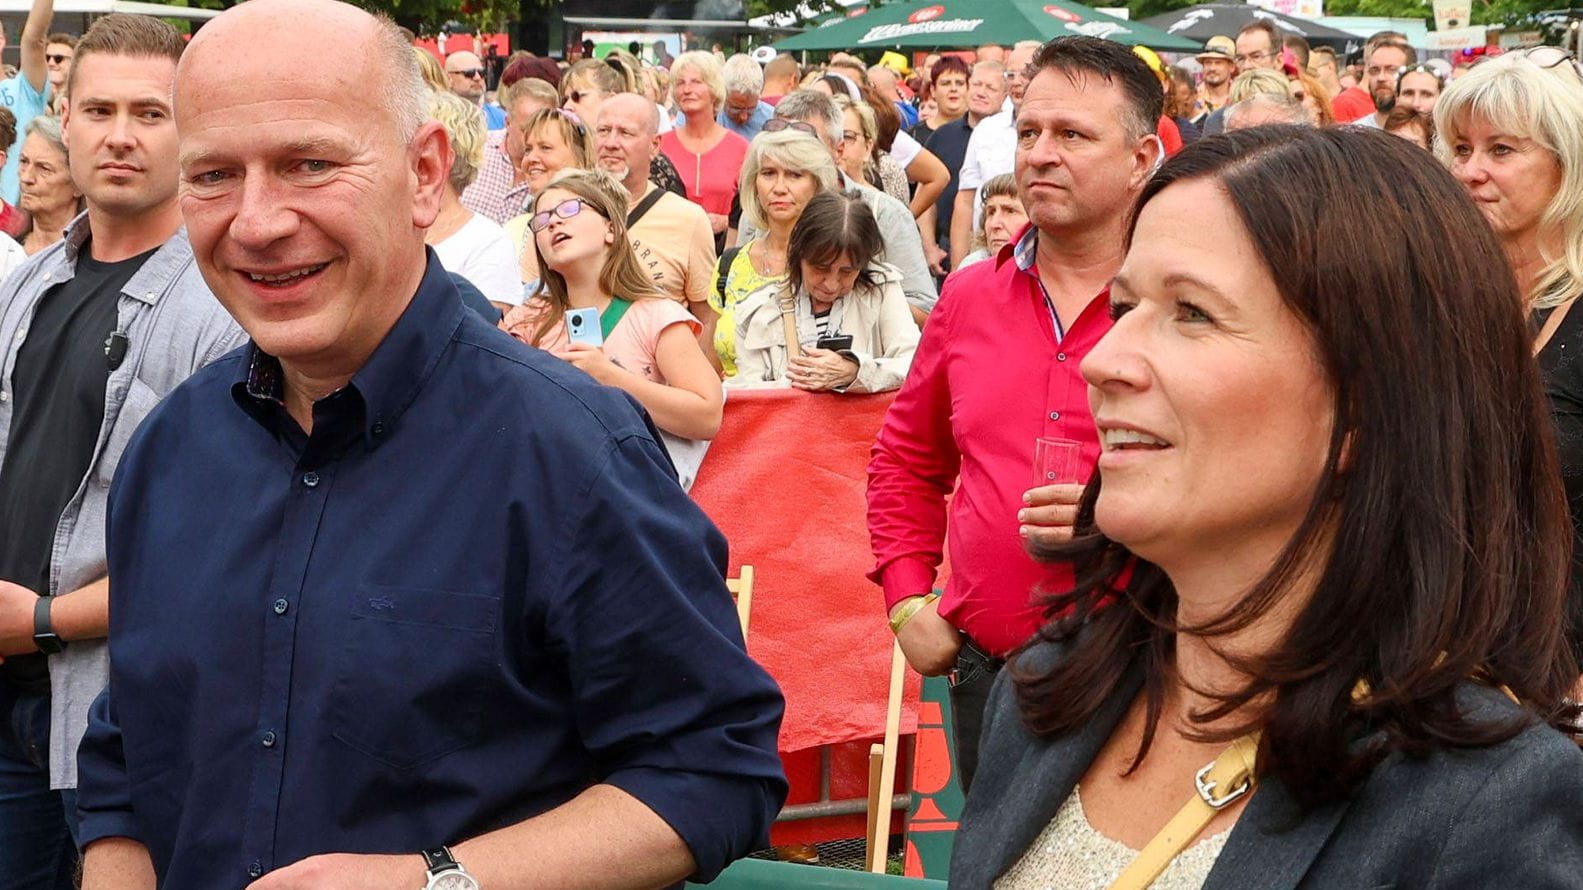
[1438, 534]
[887, 121]
[833, 223]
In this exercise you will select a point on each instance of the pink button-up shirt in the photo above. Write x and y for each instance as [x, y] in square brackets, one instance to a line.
[993, 373]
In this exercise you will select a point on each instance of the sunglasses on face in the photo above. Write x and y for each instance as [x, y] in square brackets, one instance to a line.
[777, 124]
[57, 59]
[469, 72]
[576, 97]
[565, 210]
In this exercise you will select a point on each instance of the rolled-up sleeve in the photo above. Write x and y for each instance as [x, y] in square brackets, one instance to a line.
[666, 698]
[104, 795]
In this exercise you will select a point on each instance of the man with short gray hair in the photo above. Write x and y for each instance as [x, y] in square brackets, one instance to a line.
[744, 111]
[466, 75]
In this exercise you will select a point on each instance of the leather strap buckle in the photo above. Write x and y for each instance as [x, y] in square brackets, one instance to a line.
[1207, 789]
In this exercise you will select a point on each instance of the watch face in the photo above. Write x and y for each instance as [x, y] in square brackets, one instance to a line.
[453, 880]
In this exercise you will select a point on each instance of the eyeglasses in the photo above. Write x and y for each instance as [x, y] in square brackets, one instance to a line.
[57, 59]
[1259, 56]
[1551, 56]
[567, 209]
[468, 72]
[777, 124]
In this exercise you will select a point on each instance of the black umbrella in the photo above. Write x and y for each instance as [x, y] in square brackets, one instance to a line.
[1211, 19]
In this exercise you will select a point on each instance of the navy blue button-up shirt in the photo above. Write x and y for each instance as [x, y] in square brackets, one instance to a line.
[475, 590]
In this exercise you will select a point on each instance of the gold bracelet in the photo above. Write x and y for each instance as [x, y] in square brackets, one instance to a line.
[911, 606]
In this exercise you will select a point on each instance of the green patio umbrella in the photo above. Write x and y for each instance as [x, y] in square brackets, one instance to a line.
[948, 24]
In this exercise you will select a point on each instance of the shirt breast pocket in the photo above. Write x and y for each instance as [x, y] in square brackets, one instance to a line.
[414, 673]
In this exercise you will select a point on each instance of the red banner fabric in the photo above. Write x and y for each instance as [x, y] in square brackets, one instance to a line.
[784, 480]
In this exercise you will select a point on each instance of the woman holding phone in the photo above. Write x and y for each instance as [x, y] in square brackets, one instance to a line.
[847, 311]
[649, 345]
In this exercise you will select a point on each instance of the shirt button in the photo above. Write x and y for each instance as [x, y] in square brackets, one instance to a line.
[268, 739]
[21, 334]
[1055, 415]
[310, 479]
[256, 870]
[1060, 356]
[3, 396]
[379, 428]
[281, 606]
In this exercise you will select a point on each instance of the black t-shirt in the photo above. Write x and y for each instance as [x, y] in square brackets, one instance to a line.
[1561, 365]
[949, 144]
[57, 392]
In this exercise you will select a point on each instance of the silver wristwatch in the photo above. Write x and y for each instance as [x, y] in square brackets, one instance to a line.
[445, 873]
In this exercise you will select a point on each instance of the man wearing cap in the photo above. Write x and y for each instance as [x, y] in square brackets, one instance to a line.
[1219, 68]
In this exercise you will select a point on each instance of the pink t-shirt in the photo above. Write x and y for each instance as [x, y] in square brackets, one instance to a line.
[630, 345]
[710, 178]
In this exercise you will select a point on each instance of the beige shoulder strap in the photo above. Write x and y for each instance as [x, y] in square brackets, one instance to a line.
[1218, 784]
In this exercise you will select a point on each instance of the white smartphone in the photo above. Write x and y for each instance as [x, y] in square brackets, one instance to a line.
[582, 326]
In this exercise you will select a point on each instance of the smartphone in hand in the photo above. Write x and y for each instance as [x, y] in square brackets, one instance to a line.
[582, 326]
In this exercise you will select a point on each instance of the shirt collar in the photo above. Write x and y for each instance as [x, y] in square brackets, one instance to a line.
[152, 279]
[1023, 250]
[391, 378]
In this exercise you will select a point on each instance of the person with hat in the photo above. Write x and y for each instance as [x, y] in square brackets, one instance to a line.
[1220, 67]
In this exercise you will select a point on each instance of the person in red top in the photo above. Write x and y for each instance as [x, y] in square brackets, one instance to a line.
[997, 368]
[708, 156]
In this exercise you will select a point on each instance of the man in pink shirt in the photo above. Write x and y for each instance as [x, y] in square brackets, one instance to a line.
[998, 368]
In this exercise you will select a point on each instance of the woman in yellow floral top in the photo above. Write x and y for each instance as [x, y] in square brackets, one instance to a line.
[783, 170]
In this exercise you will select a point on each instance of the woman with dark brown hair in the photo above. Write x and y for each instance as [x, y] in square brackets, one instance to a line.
[1321, 570]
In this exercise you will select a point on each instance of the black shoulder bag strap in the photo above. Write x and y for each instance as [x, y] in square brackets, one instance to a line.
[653, 197]
[724, 270]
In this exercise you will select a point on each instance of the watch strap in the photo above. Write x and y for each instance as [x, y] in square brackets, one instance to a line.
[439, 859]
[44, 636]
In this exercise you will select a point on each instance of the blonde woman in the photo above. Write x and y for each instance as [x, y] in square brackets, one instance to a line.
[553, 140]
[784, 169]
[707, 155]
[650, 346]
[854, 330]
[1511, 129]
[469, 244]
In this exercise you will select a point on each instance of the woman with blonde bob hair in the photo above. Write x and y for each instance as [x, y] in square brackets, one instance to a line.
[853, 329]
[649, 343]
[783, 170]
[470, 244]
[1511, 130]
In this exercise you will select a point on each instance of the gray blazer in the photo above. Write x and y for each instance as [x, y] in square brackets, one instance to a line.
[1508, 816]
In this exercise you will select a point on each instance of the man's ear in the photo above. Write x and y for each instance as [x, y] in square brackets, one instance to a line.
[430, 157]
[1148, 155]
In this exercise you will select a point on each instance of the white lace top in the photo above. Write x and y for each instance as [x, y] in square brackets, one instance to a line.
[1071, 854]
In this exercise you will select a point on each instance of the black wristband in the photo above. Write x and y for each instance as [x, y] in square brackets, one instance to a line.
[43, 633]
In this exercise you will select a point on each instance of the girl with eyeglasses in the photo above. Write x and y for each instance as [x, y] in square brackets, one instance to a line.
[650, 347]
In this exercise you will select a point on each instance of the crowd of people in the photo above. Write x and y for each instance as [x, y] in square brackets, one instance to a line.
[378, 393]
